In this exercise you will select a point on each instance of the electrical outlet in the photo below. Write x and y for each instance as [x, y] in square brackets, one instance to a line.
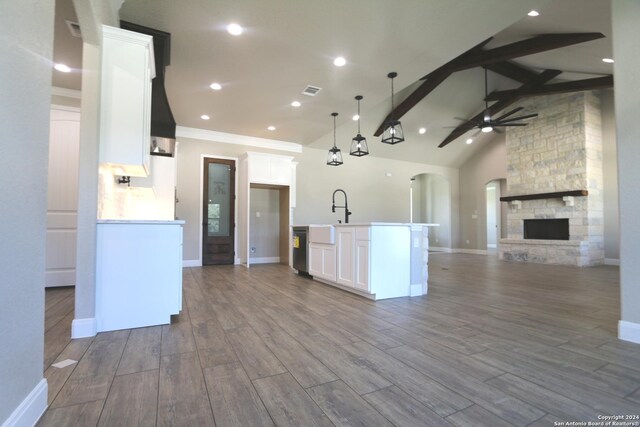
[253, 248]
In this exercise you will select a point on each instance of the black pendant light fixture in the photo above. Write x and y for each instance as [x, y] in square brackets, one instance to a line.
[334, 158]
[359, 146]
[393, 133]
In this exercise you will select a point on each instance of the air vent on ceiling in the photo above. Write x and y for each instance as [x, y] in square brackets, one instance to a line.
[74, 28]
[311, 90]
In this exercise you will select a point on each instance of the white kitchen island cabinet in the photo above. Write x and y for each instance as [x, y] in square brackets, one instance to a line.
[138, 273]
[375, 260]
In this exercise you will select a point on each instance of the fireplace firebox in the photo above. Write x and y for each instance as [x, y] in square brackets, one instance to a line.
[546, 229]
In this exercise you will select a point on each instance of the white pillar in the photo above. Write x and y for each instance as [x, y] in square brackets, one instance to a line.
[626, 52]
[91, 15]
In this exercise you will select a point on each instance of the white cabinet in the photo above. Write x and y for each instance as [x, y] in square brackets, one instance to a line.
[322, 261]
[138, 273]
[270, 169]
[346, 237]
[125, 101]
[362, 265]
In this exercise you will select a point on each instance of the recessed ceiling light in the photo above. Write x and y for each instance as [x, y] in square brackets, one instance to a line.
[533, 13]
[295, 104]
[421, 131]
[62, 68]
[339, 61]
[469, 141]
[356, 117]
[205, 117]
[215, 86]
[608, 60]
[234, 29]
[271, 128]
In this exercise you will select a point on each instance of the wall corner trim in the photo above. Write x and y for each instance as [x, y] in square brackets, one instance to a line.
[629, 331]
[31, 408]
[191, 263]
[232, 138]
[82, 328]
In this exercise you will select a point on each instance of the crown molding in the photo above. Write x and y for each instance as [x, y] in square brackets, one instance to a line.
[68, 93]
[231, 138]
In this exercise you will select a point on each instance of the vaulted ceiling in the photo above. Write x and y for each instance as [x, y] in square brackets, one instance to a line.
[288, 44]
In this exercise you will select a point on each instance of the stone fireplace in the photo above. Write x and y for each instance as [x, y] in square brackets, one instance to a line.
[554, 171]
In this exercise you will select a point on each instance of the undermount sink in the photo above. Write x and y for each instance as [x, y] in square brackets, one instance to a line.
[323, 233]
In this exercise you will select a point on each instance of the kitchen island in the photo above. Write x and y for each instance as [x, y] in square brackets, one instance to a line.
[377, 260]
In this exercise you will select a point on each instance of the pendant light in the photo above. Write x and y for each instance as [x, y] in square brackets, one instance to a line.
[334, 157]
[393, 133]
[359, 146]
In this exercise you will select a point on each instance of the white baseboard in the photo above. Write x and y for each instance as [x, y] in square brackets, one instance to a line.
[439, 249]
[31, 408]
[265, 260]
[191, 263]
[629, 331]
[82, 328]
[611, 261]
[470, 251]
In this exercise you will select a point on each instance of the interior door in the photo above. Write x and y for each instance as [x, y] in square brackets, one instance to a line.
[218, 212]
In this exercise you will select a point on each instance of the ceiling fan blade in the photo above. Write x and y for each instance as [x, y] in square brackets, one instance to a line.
[528, 116]
[510, 124]
[496, 130]
[515, 110]
[461, 119]
[476, 133]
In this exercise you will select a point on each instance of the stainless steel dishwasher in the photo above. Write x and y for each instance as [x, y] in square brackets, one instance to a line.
[300, 252]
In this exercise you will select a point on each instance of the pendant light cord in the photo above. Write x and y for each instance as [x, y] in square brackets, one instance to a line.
[358, 117]
[334, 132]
[392, 105]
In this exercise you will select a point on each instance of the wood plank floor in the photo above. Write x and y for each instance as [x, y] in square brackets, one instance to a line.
[493, 344]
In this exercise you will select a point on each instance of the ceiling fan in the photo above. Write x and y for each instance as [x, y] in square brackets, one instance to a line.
[487, 124]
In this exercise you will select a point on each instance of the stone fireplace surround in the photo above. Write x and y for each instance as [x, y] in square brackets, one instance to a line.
[560, 150]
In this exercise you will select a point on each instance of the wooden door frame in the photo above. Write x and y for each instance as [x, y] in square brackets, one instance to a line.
[201, 210]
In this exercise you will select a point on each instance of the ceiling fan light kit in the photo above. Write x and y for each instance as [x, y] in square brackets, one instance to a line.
[334, 157]
[393, 132]
[359, 146]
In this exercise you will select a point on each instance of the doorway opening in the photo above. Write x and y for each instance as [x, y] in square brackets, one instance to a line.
[430, 202]
[495, 214]
[218, 211]
[269, 221]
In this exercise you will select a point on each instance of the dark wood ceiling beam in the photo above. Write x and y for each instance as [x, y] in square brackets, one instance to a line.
[539, 80]
[537, 44]
[431, 81]
[512, 71]
[565, 87]
[477, 57]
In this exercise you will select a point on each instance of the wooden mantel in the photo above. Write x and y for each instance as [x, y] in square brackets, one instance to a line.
[558, 194]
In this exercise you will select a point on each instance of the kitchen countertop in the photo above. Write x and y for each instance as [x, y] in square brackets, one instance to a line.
[365, 224]
[142, 221]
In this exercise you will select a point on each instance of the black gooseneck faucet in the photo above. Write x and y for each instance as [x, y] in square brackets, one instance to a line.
[345, 207]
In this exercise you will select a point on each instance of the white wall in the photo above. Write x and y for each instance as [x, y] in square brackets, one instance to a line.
[373, 196]
[26, 29]
[489, 163]
[265, 223]
[432, 204]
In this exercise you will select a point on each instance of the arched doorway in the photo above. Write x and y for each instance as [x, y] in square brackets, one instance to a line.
[431, 203]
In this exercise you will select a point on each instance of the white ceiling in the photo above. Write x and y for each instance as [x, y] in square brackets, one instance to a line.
[288, 44]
